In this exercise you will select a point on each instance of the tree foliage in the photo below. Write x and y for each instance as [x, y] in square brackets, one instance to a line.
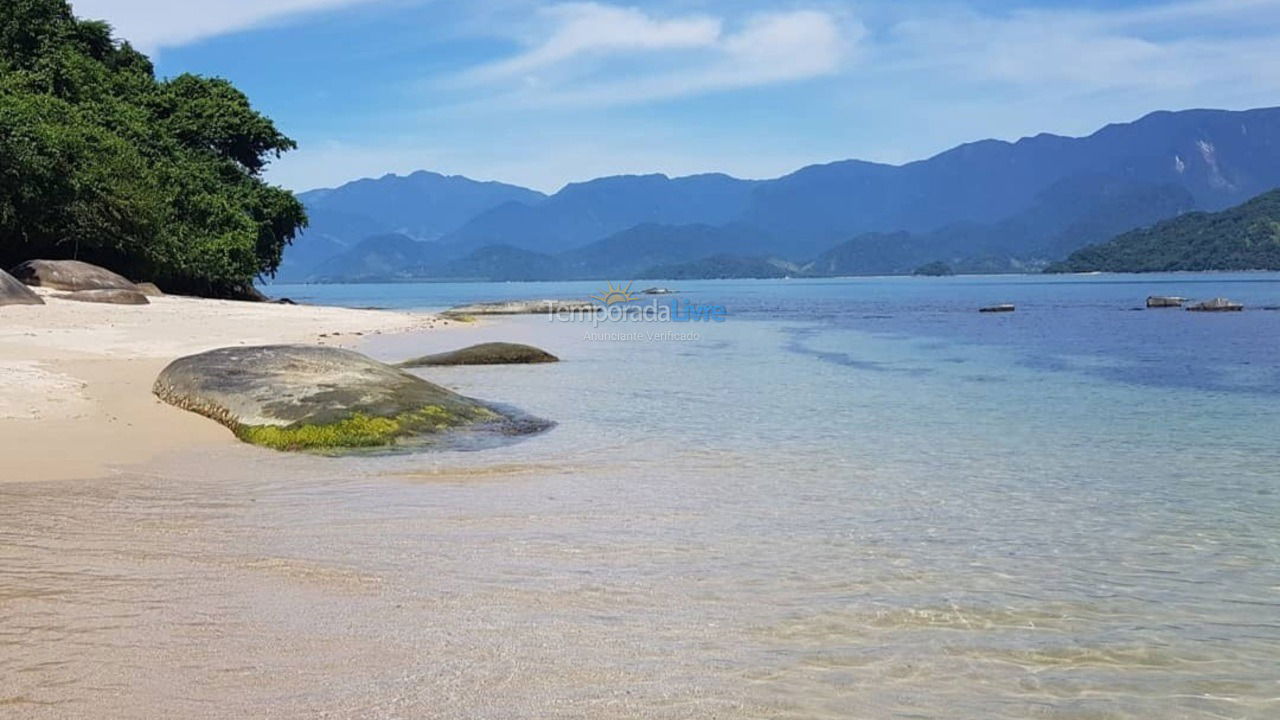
[1245, 237]
[156, 179]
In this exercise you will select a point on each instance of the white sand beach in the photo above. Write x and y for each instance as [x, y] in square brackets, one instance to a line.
[75, 377]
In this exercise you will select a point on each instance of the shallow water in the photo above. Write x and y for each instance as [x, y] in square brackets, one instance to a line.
[852, 499]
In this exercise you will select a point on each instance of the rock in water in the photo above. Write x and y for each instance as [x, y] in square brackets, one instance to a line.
[300, 397]
[113, 296]
[998, 308]
[1217, 305]
[521, 307]
[150, 289]
[69, 275]
[13, 292]
[493, 353]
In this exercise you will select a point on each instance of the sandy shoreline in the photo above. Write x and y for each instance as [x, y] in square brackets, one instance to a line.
[75, 378]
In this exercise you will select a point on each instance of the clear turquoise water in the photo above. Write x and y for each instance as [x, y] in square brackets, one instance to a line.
[854, 498]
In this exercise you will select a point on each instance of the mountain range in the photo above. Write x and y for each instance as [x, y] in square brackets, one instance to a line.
[988, 206]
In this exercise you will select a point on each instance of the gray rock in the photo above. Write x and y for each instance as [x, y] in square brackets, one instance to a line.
[69, 275]
[149, 289]
[521, 307]
[1217, 305]
[997, 308]
[13, 292]
[113, 296]
[657, 291]
[299, 397]
[493, 353]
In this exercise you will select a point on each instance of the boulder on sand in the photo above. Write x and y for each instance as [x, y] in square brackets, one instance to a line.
[492, 353]
[304, 397]
[113, 296]
[69, 275]
[13, 292]
[149, 289]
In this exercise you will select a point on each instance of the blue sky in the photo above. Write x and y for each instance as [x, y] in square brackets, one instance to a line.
[543, 93]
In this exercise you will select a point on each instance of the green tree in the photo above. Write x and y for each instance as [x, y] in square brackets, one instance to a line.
[156, 179]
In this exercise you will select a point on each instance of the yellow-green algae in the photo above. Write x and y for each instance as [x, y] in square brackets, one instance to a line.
[359, 430]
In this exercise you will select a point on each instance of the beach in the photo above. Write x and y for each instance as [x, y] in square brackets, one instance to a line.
[75, 377]
[851, 499]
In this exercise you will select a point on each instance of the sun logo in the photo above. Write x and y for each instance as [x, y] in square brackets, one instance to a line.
[613, 295]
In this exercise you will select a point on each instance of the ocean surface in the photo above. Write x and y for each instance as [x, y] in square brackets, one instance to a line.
[853, 498]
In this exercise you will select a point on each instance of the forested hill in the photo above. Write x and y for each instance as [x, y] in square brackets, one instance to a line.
[1245, 237]
[159, 180]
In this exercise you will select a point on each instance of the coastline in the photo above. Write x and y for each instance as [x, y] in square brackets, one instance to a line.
[75, 378]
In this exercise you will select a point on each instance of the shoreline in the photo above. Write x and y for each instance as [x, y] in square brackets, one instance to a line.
[75, 378]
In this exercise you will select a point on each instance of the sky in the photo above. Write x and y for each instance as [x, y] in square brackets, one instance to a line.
[543, 93]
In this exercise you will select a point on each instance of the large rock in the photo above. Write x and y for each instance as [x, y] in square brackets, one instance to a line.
[296, 397]
[13, 292]
[150, 289]
[492, 353]
[1217, 305]
[69, 275]
[113, 296]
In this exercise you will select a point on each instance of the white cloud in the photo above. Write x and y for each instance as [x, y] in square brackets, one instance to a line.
[584, 28]
[1064, 51]
[599, 55]
[153, 24]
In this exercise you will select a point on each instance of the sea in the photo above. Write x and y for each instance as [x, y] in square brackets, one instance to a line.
[793, 498]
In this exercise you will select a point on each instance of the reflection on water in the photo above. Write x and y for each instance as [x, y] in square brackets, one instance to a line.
[731, 528]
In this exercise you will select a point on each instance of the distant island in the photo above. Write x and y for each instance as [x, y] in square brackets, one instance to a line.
[1245, 237]
[936, 268]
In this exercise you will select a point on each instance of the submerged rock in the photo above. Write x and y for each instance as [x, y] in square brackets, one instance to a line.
[304, 397]
[113, 296]
[520, 307]
[149, 289]
[997, 308]
[13, 292]
[70, 275]
[492, 353]
[1217, 305]
[657, 291]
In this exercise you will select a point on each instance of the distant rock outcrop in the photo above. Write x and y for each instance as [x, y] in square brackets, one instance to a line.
[1217, 305]
[70, 275]
[13, 292]
[300, 397]
[492, 353]
[520, 307]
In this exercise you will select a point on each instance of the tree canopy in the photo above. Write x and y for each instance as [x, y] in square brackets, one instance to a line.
[159, 180]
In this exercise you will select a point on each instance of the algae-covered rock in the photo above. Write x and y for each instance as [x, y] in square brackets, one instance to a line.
[492, 353]
[13, 292]
[299, 397]
[113, 296]
[69, 275]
